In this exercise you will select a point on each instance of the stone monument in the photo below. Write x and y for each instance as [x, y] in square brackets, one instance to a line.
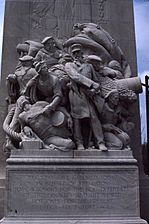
[70, 94]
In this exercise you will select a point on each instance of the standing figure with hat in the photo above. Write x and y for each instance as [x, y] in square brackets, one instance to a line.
[17, 82]
[59, 71]
[103, 74]
[82, 108]
[50, 53]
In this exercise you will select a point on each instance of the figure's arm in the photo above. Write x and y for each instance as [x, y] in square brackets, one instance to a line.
[30, 89]
[38, 57]
[56, 101]
[22, 119]
[57, 94]
[109, 72]
[78, 78]
[12, 78]
[108, 127]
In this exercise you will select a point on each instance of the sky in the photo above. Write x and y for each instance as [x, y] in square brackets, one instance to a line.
[141, 15]
[2, 4]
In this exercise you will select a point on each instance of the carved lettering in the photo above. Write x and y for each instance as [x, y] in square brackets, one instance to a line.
[83, 191]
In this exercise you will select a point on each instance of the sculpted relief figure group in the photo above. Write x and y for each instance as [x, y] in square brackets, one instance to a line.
[74, 95]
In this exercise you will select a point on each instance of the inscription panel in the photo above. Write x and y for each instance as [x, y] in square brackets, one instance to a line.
[73, 193]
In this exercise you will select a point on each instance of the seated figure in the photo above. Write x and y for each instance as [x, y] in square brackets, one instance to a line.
[48, 125]
[115, 137]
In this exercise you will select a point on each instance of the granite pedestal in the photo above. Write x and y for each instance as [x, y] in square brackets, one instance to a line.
[72, 187]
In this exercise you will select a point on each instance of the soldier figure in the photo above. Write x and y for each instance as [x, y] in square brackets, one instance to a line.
[82, 107]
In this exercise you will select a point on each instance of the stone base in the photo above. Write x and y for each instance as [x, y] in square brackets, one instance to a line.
[2, 197]
[144, 196]
[72, 221]
[91, 187]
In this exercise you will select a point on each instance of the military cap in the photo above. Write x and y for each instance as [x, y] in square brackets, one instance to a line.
[45, 40]
[94, 58]
[26, 58]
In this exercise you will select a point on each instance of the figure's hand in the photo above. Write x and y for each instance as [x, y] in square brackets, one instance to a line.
[108, 127]
[23, 91]
[117, 130]
[11, 78]
[31, 82]
[92, 92]
[47, 109]
[95, 86]
[69, 85]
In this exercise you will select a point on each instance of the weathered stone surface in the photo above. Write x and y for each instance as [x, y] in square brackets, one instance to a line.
[90, 157]
[29, 19]
[41, 18]
[2, 197]
[97, 191]
[2, 137]
[73, 221]
[85, 192]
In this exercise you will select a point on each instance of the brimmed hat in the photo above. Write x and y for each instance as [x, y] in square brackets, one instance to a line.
[76, 47]
[45, 40]
[91, 58]
[26, 58]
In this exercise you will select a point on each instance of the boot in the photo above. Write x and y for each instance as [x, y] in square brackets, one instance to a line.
[102, 147]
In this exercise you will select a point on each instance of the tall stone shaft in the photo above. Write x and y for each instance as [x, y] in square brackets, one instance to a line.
[35, 19]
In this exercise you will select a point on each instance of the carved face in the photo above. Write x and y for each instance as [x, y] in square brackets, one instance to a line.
[27, 131]
[44, 70]
[78, 55]
[77, 28]
[114, 98]
[97, 65]
[50, 44]
[27, 63]
[115, 65]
